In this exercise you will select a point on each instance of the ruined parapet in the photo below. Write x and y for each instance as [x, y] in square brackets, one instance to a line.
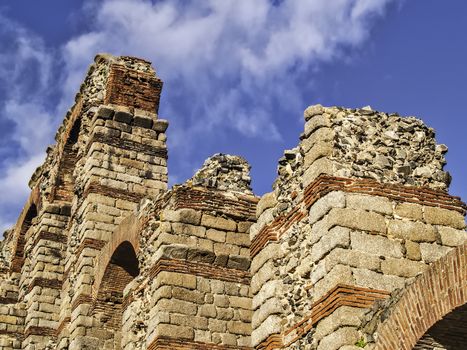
[224, 172]
[359, 209]
[194, 287]
[367, 144]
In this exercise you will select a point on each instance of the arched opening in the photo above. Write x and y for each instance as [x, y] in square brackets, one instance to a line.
[65, 181]
[18, 254]
[449, 333]
[108, 310]
[432, 309]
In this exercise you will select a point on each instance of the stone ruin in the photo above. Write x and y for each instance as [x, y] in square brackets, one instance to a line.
[359, 245]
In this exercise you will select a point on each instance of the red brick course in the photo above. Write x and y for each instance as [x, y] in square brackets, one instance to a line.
[132, 88]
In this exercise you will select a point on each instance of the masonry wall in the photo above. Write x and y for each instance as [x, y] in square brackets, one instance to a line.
[194, 290]
[327, 248]
[359, 222]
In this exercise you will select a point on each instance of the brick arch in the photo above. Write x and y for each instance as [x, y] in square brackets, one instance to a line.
[29, 212]
[128, 231]
[435, 294]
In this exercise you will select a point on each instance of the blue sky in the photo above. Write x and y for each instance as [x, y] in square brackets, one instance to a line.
[238, 73]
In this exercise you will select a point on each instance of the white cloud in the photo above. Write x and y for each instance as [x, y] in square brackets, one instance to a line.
[221, 52]
[231, 62]
[25, 77]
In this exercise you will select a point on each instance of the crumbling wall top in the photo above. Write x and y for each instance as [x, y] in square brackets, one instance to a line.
[224, 172]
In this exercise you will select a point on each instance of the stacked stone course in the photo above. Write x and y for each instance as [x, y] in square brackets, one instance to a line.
[358, 242]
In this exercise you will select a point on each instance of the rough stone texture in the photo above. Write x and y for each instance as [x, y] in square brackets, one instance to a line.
[358, 229]
[224, 172]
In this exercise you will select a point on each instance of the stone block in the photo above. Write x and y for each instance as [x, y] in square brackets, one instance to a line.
[238, 262]
[188, 230]
[207, 310]
[186, 216]
[323, 205]
[218, 223]
[431, 251]
[413, 250]
[216, 235]
[343, 336]
[314, 151]
[312, 111]
[445, 217]
[176, 279]
[105, 112]
[142, 122]
[160, 125]
[318, 121]
[342, 317]
[270, 326]
[241, 239]
[452, 237]
[357, 219]
[244, 226]
[240, 302]
[264, 274]
[270, 307]
[338, 274]
[267, 201]
[238, 327]
[174, 331]
[177, 306]
[402, 267]
[320, 166]
[377, 204]
[218, 326]
[377, 245]
[352, 258]
[409, 211]
[268, 290]
[337, 237]
[370, 279]
[194, 322]
[410, 230]
[123, 117]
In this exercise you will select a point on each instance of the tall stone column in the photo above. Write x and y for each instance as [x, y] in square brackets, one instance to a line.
[360, 208]
[124, 158]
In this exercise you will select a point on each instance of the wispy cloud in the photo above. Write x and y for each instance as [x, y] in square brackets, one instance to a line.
[230, 65]
[25, 76]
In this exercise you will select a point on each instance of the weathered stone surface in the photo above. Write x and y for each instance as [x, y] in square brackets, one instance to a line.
[325, 204]
[431, 251]
[452, 237]
[374, 244]
[370, 203]
[218, 223]
[440, 216]
[414, 231]
[343, 336]
[409, 211]
[402, 267]
[358, 219]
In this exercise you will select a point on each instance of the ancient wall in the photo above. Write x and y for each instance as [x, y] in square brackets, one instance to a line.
[359, 245]
[358, 211]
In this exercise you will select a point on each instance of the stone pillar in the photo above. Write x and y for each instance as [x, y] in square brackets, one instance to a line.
[194, 291]
[123, 159]
[360, 209]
